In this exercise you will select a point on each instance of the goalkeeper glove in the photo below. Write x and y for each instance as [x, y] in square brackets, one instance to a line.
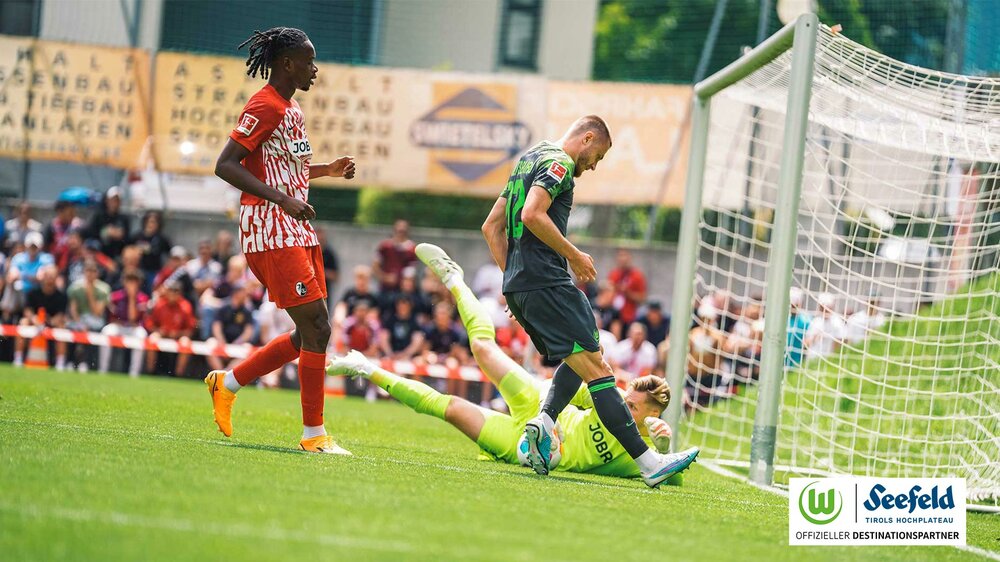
[659, 432]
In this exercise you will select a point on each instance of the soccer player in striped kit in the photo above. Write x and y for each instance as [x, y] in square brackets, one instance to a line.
[268, 158]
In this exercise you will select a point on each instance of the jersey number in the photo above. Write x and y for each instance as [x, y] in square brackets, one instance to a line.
[515, 202]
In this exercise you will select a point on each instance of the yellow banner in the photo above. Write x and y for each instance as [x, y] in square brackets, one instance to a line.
[433, 131]
[645, 164]
[80, 103]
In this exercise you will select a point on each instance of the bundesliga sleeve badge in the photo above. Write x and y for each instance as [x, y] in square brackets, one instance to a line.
[247, 124]
[556, 171]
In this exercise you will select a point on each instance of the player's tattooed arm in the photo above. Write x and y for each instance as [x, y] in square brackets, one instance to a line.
[230, 169]
[535, 217]
[342, 167]
[495, 232]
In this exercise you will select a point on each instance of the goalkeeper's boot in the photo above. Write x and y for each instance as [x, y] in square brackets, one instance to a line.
[671, 465]
[353, 365]
[443, 266]
[222, 401]
[323, 444]
[539, 445]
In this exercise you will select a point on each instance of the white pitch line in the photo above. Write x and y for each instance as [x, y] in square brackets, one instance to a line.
[242, 531]
[724, 472]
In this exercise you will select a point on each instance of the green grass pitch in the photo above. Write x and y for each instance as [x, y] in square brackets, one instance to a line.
[111, 468]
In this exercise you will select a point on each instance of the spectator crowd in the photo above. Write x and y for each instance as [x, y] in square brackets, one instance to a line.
[103, 275]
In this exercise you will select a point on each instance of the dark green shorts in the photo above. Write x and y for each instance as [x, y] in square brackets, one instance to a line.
[559, 320]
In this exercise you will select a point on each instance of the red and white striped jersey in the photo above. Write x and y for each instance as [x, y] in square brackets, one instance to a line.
[273, 129]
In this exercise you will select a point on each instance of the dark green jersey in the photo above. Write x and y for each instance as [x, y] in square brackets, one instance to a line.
[531, 264]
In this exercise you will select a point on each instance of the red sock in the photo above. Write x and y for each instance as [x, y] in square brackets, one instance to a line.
[312, 374]
[272, 356]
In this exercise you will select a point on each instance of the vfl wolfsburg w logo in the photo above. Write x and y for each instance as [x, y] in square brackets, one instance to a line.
[820, 508]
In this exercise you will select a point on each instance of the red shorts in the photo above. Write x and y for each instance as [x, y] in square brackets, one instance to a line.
[292, 276]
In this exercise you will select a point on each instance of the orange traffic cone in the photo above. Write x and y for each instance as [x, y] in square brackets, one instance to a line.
[38, 349]
[38, 353]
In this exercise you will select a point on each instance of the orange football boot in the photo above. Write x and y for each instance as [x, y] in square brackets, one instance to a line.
[222, 401]
[323, 444]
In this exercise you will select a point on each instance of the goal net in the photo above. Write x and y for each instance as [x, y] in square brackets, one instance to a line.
[892, 346]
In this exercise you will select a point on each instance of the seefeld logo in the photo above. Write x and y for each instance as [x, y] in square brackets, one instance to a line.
[818, 507]
[911, 500]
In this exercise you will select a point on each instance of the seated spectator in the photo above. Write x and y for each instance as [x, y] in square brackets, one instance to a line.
[798, 325]
[88, 304]
[18, 227]
[407, 287]
[70, 263]
[178, 257]
[608, 317]
[657, 324]
[171, 317]
[233, 324]
[360, 330]
[153, 245]
[402, 337]
[745, 343]
[131, 259]
[107, 268]
[723, 304]
[827, 331]
[109, 225]
[223, 247]
[180, 274]
[704, 367]
[214, 298]
[127, 313]
[434, 290]
[204, 271]
[393, 255]
[630, 286]
[58, 229]
[862, 323]
[22, 275]
[634, 356]
[488, 282]
[360, 292]
[444, 342]
[45, 306]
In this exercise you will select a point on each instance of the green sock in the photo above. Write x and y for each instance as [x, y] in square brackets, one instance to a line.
[417, 395]
[474, 315]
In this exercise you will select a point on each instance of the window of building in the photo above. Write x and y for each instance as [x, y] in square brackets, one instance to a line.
[20, 17]
[519, 31]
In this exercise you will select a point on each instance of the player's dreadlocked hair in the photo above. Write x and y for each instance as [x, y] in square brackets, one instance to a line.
[266, 45]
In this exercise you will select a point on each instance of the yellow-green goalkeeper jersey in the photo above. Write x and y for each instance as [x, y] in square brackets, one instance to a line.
[587, 445]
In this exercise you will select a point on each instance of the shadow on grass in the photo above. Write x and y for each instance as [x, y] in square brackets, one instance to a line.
[257, 447]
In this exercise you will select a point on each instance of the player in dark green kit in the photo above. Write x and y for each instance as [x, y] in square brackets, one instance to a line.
[526, 234]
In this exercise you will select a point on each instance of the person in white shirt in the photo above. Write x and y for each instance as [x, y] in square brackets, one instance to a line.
[861, 323]
[488, 281]
[633, 356]
[827, 331]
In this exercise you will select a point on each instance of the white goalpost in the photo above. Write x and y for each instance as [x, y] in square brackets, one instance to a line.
[837, 307]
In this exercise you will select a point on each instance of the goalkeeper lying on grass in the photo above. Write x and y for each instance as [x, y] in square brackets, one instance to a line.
[585, 445]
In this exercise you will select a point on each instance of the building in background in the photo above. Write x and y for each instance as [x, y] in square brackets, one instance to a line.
[551, 38]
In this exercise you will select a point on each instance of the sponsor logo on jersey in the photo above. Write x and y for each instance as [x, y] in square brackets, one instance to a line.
[300, 148]
[247, 124]
[300, 289]
[556, 171]
[472, 132]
